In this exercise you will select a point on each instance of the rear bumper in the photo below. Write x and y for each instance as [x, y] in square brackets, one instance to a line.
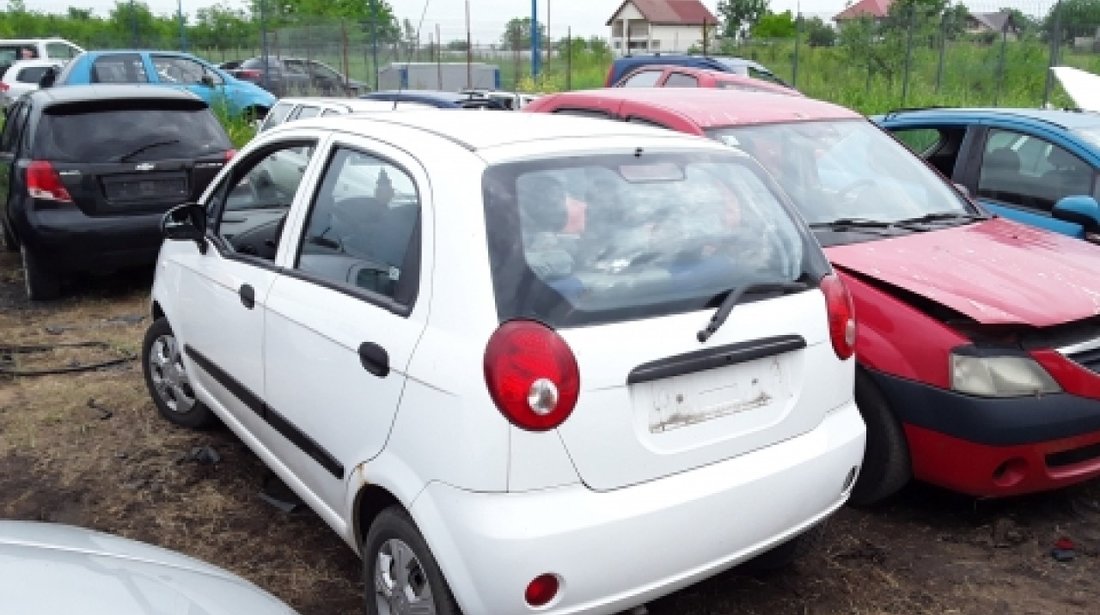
[616, 549]
[996, 447]
[67, 240]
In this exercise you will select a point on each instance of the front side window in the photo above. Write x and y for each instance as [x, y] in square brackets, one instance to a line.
[644, 79]
[843, 169]
[594, 239]
[119, 68]
[31, 74]
[253, 204]
[172, 69]
[277, 115]
[307, 111]
[1031, 172]
[361, 232]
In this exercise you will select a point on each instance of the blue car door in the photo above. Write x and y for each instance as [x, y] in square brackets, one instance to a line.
[1024, 171]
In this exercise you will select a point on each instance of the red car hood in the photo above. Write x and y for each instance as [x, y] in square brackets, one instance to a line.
[995, 271]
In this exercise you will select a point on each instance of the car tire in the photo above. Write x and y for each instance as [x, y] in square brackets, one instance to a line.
[886, 464]
[9, 241]
[393, 537]
[781, 556]
[167, 379]
[41, 283]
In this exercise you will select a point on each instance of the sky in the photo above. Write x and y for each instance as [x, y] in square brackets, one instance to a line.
[487, 17]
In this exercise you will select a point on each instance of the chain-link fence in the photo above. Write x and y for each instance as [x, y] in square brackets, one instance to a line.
[981, 55]
[977, 55]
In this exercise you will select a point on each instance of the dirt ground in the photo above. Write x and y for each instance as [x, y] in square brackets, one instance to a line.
[88, 448]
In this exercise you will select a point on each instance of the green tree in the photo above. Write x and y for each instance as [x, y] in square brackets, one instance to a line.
[456, 45]
[1079, 18]
[517, 33]
[737, 16]
[819, 33]
[775, 26]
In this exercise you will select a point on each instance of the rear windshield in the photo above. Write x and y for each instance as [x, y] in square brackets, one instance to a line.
[597, 239]
[128, 135]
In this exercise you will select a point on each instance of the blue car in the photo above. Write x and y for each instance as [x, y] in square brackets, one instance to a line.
[218, 88]
[1035, 166]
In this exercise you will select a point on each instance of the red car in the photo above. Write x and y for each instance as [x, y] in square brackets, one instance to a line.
[669, 76]
[979, 338]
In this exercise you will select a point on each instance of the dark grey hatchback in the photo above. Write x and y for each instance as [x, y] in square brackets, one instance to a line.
[87, 171]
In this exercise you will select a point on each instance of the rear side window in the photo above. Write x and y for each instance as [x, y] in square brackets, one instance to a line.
[61, 50]
[128, 132]
[31, 74]
[586, 240]
[119, 68]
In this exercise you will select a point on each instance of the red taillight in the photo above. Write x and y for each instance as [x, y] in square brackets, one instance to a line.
[541, 590]
[4, 87]
[44, 183]
[248, 73]
[842, 315]
[532, 375]
[229, 154]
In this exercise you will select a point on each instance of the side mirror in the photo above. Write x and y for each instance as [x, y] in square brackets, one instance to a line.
[47, 78]
[185, 222]
[207, 80]
[1081, 209]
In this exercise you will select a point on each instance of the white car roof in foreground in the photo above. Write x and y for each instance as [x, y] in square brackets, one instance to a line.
[1082, 86]
[48, 568]
[481, 130]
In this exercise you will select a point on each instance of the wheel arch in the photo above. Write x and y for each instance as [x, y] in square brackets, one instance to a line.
[370, 500]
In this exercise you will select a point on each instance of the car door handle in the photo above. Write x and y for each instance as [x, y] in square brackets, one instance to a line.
[375, 359]
[248, 295]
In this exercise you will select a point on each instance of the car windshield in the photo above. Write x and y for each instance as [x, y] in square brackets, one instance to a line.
[846, 169]
[596, 239]
[1090, 134]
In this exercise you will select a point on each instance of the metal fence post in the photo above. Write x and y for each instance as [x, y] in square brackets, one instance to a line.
[1055, 41]
[797, 43]
[908, 56]
[943, 52]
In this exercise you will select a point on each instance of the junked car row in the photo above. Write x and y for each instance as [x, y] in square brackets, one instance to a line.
[503, 356]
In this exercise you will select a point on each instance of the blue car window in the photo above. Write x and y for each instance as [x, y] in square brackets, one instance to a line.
[1030, 172]
[119, 68]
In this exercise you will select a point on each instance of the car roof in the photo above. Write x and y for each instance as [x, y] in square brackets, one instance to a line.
[479, 131]
[421, 94]
[350, 105]
[1060, 117]
[63, 94]
[714, 108]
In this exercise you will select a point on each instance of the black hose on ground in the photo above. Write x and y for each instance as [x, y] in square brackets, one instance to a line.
[7, 358]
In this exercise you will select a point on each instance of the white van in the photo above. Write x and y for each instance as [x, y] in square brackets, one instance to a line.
[14, 49]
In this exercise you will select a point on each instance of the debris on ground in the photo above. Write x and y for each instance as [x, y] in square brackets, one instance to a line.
[203, 455]
[126, 319]
[1006, 533]
[1064, 550]
[104, 413]
[276, 493]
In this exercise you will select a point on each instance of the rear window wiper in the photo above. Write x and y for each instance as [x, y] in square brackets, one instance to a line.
[734, 296]
[147, 146]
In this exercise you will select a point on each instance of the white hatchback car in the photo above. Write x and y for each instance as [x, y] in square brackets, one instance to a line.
[22, 77]
[521, 363]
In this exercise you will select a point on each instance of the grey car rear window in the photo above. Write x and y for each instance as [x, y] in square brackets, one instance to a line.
[114, 134]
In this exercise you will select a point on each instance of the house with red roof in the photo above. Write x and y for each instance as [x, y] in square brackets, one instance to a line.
[648, 26]
[875, 9]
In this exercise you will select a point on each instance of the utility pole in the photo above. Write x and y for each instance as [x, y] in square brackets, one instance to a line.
[535, 39]
[183, 35]
[469, 50]
[374, 39]
[263, 44]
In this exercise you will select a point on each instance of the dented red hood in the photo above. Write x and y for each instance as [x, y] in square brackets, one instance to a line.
[994, 271]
